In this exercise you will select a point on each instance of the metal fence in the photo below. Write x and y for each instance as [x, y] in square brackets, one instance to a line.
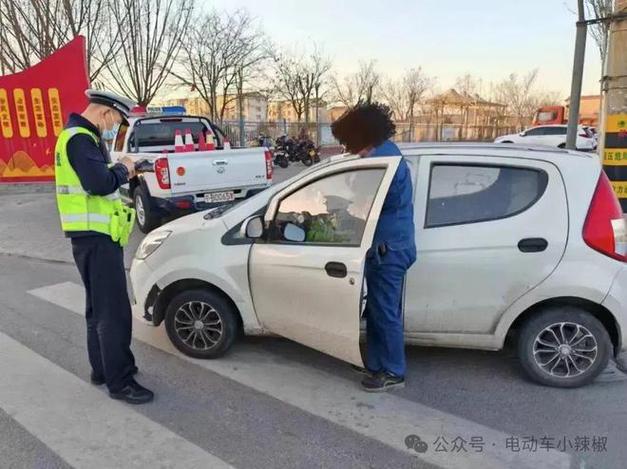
[429, 132]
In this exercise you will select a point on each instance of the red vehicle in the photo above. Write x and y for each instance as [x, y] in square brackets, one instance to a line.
[547, 115]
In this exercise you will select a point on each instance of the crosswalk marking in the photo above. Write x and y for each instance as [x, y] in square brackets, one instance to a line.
[82, 424]
[386, 418]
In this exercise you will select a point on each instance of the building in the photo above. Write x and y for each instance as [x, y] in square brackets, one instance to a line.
[255, 106]
[283, 111]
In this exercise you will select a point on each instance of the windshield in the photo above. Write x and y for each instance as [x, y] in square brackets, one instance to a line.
[259, 200]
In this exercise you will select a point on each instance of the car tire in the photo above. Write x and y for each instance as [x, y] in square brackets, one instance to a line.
[145, 214]
[551, 342]
[206, 307]
[561, 145]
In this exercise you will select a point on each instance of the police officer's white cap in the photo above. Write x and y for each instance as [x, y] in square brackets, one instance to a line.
[107, 98]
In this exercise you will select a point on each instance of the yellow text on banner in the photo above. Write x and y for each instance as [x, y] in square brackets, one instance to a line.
[55, 110]
[5, 115]
[22, 113]
[38, 111]
[615, 157]
[620, 188]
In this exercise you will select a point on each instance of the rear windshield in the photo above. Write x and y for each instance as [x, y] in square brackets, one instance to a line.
[156, 134]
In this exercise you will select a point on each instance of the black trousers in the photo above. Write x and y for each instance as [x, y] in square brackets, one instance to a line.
[100, 262]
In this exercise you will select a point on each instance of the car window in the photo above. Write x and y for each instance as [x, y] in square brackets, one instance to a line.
[332, 210]
[157, 134]
[535, 132]
[461, 194]
[119, 138]
[555, 131]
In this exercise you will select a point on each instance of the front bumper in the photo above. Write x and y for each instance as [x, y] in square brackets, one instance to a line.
[143, 281]
[616, 303]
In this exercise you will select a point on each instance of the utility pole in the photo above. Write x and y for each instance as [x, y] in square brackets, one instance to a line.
[613, 142]
[575, 87]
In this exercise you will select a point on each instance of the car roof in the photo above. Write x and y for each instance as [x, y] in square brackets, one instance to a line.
[510, 150]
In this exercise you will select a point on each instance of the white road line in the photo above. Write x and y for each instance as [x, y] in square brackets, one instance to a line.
[386, 418]
[81, 423]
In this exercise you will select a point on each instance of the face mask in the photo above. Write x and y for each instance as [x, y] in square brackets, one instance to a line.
[109, 128]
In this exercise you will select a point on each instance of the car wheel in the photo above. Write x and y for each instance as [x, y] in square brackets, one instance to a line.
[507, 141]
[564, 347]
[201, 323]
[561, 145]
[145, 216]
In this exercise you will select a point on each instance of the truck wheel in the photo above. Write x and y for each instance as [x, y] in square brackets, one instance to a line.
[201, 323]
[146, 218]
[564, 347]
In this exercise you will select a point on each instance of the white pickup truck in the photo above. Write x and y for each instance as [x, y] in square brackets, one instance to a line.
[177, 183]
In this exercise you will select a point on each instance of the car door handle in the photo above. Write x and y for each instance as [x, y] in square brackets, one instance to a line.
[336, 269]
[220, 162]
[533, 245]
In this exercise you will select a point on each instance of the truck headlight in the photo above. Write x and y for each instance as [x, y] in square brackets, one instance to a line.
[151, 243]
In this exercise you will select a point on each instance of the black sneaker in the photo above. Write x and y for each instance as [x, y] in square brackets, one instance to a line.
[360, 370]
[133, 393]
[381, 382]
[99, 380]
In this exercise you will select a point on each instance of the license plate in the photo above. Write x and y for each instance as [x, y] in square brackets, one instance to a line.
[217, 197]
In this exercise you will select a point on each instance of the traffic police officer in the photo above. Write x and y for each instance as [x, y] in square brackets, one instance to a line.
[365, 130]
[98, 224]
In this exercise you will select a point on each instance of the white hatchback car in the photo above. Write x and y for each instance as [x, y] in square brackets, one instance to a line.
[552, 136]
[527, 241]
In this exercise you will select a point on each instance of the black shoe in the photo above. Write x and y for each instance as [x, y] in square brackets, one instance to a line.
[360, 370]
[99, 380]
[381, 382]
[133, 393]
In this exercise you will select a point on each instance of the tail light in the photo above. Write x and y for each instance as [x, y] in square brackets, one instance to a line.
[269, 169]
[162, 172]
[605, 229]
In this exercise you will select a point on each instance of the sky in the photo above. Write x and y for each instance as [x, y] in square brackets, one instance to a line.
[447, 38]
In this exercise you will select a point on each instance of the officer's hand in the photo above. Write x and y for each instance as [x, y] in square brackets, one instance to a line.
[130, 165]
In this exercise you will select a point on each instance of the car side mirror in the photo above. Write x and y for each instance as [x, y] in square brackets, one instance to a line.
[253, 228]
[294, 233]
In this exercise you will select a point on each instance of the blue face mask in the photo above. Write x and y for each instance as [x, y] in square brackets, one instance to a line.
[110, 134]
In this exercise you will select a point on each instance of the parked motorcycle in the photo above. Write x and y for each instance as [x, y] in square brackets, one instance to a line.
[283, 151]
[307, 152]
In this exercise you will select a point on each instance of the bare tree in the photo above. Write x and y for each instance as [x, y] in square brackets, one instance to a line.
[222, 53]
[360, 86]
[468, 85]
[30, 30]
[155, 30]
[404, 95]
[596, 9]
[519, 95]
[299, 80]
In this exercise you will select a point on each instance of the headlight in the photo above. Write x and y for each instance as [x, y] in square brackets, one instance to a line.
[151, 243]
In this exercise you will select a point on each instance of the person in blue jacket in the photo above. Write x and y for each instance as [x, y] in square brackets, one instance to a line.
[365, 130]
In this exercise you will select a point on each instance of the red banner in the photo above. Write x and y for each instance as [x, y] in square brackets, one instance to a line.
[34, 105]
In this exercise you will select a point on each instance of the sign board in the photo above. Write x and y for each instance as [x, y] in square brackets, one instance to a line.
[34, 105]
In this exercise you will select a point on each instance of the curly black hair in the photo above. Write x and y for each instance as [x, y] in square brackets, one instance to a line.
[364, 125]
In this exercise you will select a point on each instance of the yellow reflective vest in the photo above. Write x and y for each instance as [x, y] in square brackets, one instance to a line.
[81, 211]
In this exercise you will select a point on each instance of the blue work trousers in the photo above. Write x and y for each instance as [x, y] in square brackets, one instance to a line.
[385, 276]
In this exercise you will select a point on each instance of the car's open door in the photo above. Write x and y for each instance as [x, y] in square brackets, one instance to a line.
[306, 273]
